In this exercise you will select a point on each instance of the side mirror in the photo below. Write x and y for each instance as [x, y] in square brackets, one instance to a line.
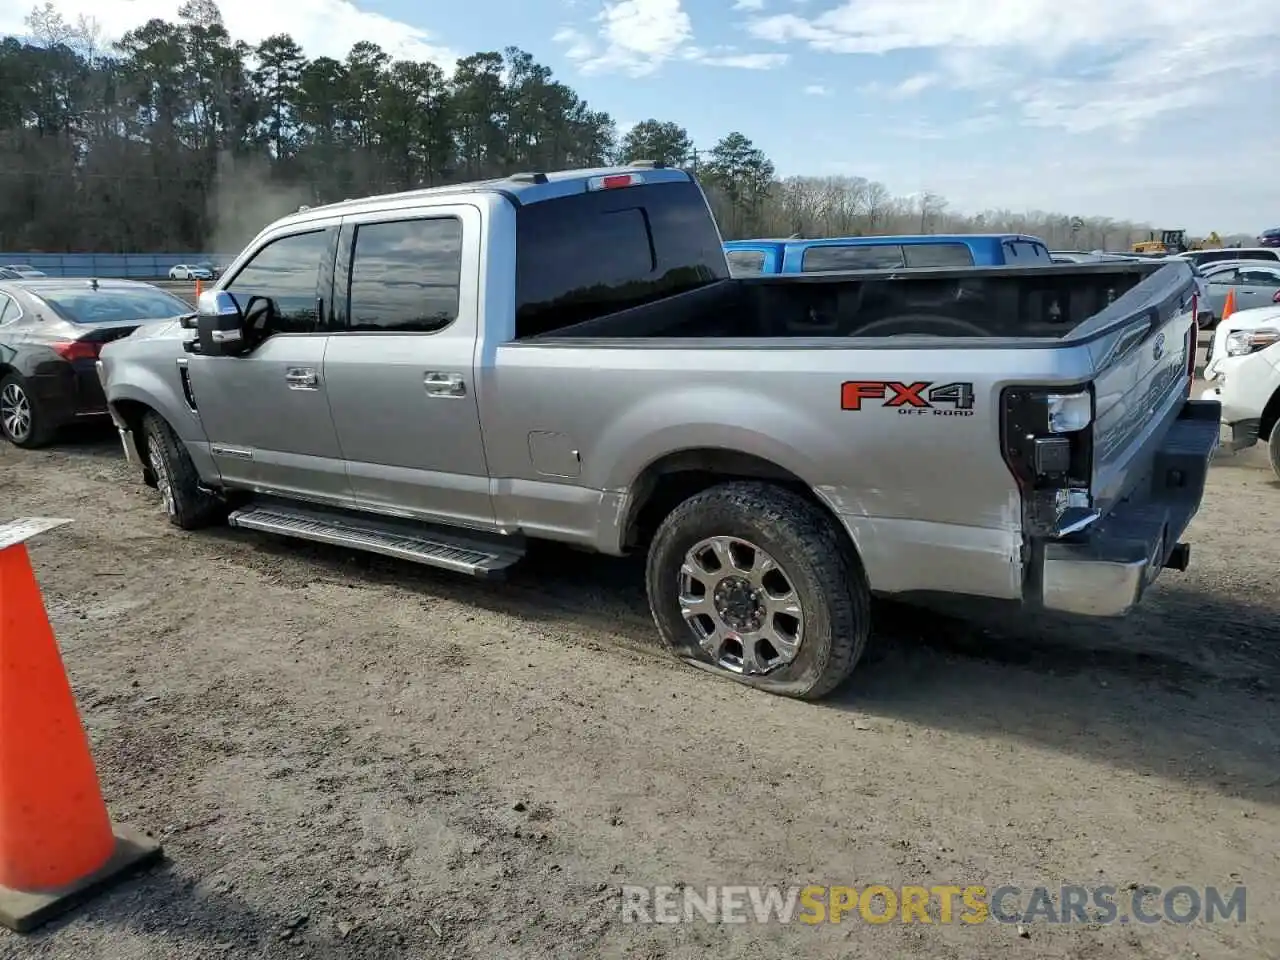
[220, 324]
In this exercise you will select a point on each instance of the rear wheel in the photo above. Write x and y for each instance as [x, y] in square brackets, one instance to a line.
[756, 583]
[22, 421]
[187, 504]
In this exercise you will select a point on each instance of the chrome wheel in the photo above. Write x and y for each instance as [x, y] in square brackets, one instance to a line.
[163, 484]
[15, 413]
[741, 605]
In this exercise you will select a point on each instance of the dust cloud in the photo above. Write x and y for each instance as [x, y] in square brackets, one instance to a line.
[244, 199]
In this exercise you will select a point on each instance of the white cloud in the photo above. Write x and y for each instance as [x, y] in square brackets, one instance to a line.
[748, 4]
[1079, 65]
[637, 37]
[817, 90]
[910, 87]
[321, 27]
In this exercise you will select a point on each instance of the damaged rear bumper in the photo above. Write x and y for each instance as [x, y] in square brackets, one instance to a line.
[1105, 570]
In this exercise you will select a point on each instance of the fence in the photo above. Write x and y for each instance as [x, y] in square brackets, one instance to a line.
[135, 266]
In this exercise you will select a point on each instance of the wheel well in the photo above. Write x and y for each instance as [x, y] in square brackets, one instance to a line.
[670, 480]
[132, 412]
[1270, 414]
[5, 370]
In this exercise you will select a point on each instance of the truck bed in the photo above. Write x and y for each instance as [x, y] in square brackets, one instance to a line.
[966, 303]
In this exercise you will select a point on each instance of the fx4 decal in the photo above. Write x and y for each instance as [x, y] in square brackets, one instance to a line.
[921, 398]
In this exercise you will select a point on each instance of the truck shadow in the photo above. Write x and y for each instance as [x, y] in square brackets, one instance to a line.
[1185, 688]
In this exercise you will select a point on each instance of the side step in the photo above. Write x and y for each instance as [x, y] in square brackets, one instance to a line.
[462, 553]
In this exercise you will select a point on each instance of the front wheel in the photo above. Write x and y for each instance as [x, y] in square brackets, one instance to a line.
[187, 504]
[756, 583]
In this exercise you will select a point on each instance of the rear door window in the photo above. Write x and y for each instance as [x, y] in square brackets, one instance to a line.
[587, 255]
[405, 275]
[937, 255]
[868, 256]
[745, 263]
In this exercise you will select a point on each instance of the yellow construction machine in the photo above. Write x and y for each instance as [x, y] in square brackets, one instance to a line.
[1175, 241]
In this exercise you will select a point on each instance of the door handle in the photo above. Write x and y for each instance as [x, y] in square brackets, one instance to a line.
[301, 378]
[444, 384]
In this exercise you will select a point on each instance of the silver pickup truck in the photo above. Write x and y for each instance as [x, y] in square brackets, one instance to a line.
[444, 374]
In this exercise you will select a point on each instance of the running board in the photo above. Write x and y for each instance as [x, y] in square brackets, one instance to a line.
[418, 543]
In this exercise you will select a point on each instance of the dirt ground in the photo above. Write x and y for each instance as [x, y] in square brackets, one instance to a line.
[351, 757]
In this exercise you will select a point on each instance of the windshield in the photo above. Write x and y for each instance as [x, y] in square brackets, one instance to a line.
[109, 306]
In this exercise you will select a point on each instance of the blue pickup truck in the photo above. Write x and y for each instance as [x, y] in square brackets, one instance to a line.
[754, 257]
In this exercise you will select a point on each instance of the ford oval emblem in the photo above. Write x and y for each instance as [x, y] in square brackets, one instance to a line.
[1157, 348]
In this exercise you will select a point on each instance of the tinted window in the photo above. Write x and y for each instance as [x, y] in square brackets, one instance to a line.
[871, 256]
[745, 263]
[405, 275]
[1260, 276]
[937, 255]
[107, 305]
[1025, 251]
[594, 253]
[286, 270]
[1225, 275]
[1216, 255]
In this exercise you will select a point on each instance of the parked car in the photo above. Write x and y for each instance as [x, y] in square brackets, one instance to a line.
[1269, 238]
[50, 334]
[25, 270]
[1245, 378]
[753, 257]
[190, 271]
[7, 274]
[446, 374]
[1254, 283]
[1202, 258]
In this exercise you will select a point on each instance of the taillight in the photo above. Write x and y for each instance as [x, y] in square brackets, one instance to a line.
[1275, 297]
[77, 349]
[1047, 440]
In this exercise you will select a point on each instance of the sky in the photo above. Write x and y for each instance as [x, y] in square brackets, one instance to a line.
[1151, 110]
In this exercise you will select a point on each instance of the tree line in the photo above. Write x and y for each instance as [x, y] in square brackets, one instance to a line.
[180, 138]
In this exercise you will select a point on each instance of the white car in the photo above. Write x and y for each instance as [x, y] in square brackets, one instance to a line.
[25, 270]
[184, 271]
[1245, 373]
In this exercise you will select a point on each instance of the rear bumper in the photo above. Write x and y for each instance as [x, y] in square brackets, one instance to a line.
[1105, 570]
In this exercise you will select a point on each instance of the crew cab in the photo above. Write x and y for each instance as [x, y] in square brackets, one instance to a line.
[445, 375]
[753, 257]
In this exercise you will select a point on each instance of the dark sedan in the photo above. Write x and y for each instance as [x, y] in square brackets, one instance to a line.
[50, 333]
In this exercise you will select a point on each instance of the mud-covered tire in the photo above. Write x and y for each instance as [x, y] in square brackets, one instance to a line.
[33, 429]
[176, 479]
[1273, 448]
[822, 567]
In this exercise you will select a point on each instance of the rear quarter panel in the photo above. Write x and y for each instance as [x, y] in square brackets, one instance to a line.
[923, 490]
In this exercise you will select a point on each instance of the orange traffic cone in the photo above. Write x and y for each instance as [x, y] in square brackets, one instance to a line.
[197, 288]
[57, 844]
[1229, 307]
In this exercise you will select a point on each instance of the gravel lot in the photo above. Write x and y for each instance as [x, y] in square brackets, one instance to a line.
[351, 757]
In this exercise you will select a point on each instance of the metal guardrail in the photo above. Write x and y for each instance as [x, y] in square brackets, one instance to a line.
[131, 266]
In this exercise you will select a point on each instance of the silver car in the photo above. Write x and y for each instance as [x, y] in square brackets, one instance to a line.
[1255, 283]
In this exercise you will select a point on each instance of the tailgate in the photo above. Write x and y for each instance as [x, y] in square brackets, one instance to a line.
[1143, 373]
